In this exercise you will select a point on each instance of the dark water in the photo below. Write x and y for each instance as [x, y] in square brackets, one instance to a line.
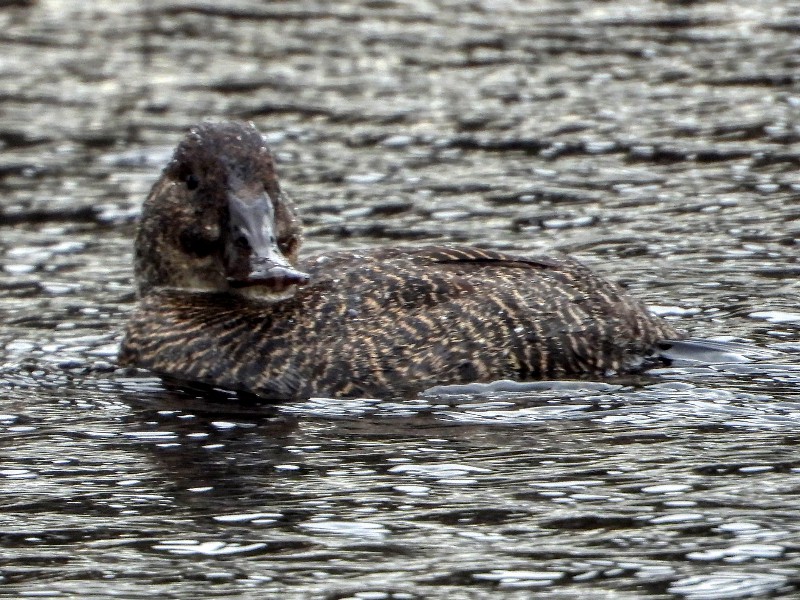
[657, 141]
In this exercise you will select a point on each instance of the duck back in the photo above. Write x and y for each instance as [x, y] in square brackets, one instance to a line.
[393, 322]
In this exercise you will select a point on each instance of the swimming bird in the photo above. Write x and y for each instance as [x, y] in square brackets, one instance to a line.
[225, 301]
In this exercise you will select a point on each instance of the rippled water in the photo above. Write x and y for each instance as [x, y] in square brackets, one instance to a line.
[658, 142]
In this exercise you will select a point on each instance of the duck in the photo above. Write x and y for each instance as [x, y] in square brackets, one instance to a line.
[225, 301]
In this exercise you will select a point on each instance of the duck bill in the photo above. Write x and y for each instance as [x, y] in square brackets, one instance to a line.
[252, 256]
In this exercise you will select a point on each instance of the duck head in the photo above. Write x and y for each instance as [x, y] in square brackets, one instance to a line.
[217, 221]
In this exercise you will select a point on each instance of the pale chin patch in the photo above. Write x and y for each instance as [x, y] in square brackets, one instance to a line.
[192, 283]
[263, 293]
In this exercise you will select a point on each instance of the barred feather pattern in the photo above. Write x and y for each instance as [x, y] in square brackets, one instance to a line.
[392, 322]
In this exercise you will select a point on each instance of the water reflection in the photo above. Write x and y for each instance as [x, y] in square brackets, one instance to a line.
[523, 487]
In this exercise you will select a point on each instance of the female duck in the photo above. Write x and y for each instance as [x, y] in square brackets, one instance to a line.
[223, 300]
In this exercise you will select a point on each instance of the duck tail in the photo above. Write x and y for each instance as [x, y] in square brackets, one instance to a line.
[703, 351]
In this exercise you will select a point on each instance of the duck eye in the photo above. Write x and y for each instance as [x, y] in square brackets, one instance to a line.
[241, 243]
[192, 182]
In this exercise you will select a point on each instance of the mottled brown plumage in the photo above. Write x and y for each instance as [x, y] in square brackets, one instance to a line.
[369, 323]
